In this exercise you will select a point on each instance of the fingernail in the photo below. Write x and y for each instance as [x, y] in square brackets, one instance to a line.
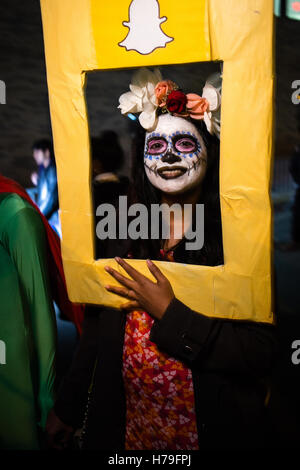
[107, 268]
[107, 287]
[118, 259]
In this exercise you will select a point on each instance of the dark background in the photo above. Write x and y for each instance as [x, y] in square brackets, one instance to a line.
[25, 118]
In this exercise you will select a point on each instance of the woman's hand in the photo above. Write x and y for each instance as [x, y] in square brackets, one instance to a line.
[34, 178]
[153, 297]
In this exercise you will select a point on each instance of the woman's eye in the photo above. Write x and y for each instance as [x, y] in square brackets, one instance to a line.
[185, 144]
[157, 146]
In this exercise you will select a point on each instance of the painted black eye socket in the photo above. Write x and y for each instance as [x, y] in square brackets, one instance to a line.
[185, 143]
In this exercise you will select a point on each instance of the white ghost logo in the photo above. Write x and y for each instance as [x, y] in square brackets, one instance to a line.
[145, 34]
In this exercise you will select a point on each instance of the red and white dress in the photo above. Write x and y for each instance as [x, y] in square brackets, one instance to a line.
[159, 392]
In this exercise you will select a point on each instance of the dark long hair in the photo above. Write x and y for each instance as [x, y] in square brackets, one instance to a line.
[144, 192]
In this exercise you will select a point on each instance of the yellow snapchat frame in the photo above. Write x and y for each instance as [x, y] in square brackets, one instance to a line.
[83, 35]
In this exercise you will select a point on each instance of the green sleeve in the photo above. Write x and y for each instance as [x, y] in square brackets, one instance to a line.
[25, 240]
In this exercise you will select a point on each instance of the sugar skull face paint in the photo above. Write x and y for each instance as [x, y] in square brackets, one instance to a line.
[174, 155]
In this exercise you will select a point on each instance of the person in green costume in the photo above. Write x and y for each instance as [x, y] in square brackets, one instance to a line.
[27, 326]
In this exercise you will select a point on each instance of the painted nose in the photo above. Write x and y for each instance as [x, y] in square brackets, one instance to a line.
[170, 158]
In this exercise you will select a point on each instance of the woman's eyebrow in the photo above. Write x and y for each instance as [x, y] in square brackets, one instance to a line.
[184, 135]
[156, 137]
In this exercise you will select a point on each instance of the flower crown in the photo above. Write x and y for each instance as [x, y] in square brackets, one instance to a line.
[150, 96]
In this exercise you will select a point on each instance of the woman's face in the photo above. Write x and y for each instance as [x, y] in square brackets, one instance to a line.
[175, 156]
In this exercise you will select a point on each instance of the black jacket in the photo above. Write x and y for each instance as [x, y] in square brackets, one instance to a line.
[229, 359]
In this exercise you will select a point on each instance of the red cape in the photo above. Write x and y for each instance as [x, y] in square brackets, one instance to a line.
[74, 312]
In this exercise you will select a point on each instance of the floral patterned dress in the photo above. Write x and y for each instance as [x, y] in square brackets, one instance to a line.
[159, 391]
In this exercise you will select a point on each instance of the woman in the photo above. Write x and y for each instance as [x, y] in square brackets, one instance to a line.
[166, 377]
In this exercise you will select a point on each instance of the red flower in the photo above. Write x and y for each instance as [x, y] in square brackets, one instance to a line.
[176, 102]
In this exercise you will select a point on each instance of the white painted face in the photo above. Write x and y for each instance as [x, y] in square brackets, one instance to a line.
[175, 156]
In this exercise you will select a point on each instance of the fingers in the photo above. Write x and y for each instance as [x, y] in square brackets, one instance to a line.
[123, 292]
[119, 277]
[130, 270]
[133, 273]
[155, 271]
[136, 276]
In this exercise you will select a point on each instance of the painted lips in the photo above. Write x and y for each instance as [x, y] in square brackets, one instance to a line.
[171, 172]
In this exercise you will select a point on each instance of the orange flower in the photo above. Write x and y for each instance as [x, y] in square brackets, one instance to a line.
[296, 6]
[196, 105]
[162, 89]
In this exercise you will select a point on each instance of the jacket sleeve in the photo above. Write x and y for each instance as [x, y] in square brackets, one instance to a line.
[25, 241]
[48, 202]
[215, 345]
[72, 395]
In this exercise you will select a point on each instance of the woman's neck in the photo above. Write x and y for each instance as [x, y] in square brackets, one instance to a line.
[177, 224]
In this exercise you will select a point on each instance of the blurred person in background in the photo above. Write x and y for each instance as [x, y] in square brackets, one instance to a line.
[295, 172]
[45, 193]
[108, 184]
[294, 168]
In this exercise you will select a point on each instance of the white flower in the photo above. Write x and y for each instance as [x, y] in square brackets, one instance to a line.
[212, 117]
[148, 117]
[141, 97]
[129, 103]
[212, 95]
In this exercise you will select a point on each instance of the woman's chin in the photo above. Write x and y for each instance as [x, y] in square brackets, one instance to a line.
[172, 189]
[176, 191]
